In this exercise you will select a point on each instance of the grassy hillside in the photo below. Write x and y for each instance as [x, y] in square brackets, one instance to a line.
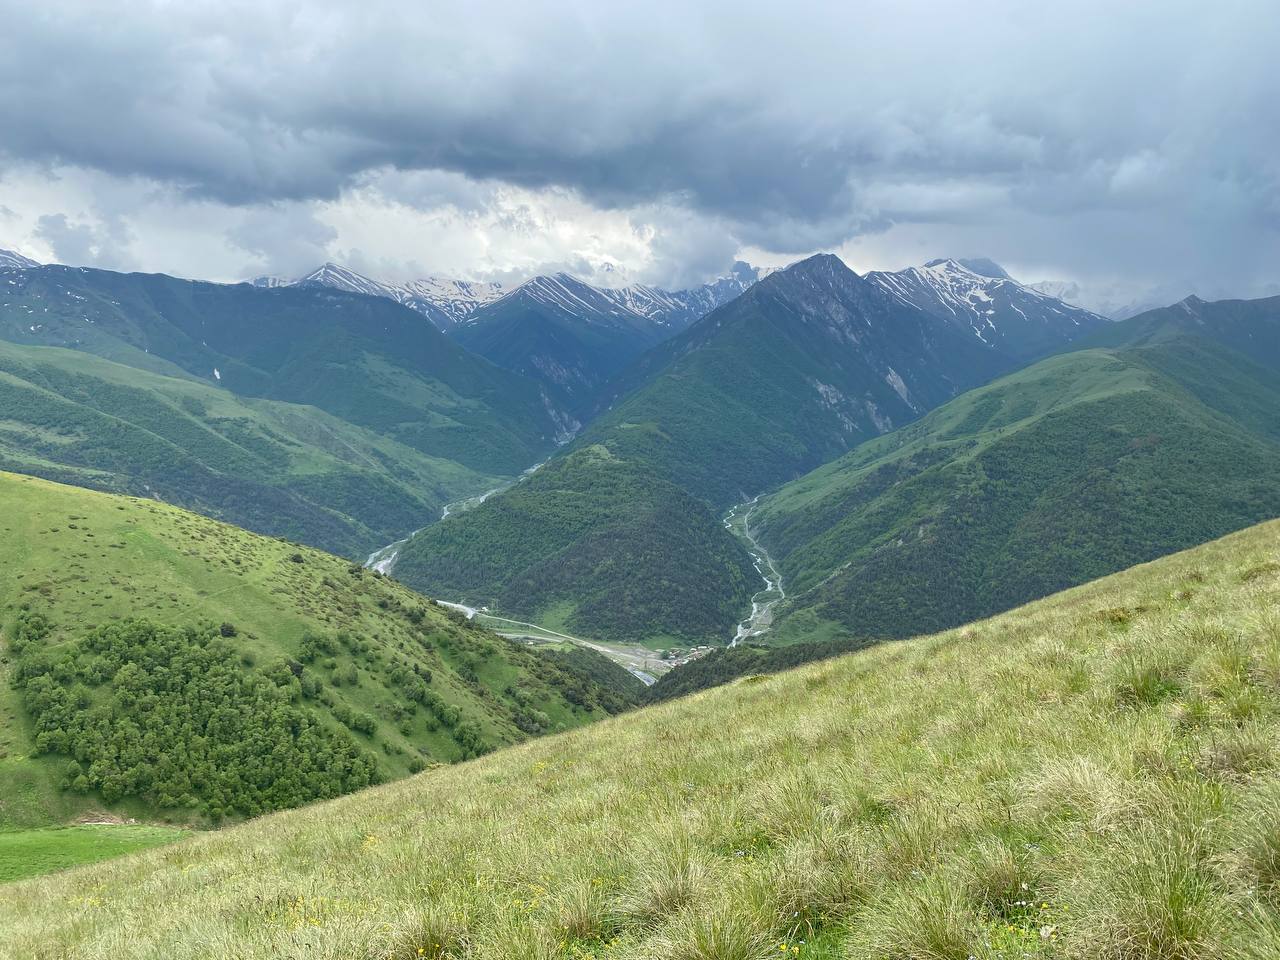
[366, 360]
[1094, 776]
[1245, 326]
[158, 663]
[33, 853]
[277, 468]
[595, 543]
[1073, 468]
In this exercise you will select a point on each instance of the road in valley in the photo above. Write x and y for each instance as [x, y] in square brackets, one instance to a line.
[642, 662]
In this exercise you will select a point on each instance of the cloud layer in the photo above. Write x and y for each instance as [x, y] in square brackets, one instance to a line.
[1110, 142]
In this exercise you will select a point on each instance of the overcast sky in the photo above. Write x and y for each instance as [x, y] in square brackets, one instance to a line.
[1131, 146]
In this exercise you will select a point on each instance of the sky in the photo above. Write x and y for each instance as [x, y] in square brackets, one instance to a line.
[1131, 148]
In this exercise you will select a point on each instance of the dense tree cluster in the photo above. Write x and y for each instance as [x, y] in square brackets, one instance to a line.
[171, 716]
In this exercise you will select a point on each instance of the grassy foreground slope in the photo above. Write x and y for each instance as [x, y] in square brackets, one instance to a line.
[1094, 775]
[160, 664]
[1068, 470]
[278, 468]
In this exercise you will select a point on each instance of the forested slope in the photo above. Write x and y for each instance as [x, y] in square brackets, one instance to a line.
[1077, 466]
[161, 664]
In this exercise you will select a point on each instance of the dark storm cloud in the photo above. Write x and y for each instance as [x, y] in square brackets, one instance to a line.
[797, 126]
[83, 243]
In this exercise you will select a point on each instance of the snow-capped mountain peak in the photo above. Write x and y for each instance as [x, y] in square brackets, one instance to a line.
[464, 295]
[637, 304]
[12, 260]
[448, 302]
[679, 308]
[978, 296]
[333, 275]
[442, 300]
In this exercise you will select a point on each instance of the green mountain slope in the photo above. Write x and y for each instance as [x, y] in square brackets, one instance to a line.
[1093, 776]
[590, 542]
[800, 368]
[806, 364]
[366, 360]
[277, 468]
[158, 663]
[1075, 467]
[1247, 326]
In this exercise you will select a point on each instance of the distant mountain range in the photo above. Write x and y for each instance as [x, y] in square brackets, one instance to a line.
[980, 297]
[1118, 303]
[445, 302]
[800, 368]
[338, 419]
[448, 302]
[563, 332]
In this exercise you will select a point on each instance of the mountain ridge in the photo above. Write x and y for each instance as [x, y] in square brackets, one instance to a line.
[1077, 465]
[447, 301]
[364, 359]
[12, 260]
[796, 370]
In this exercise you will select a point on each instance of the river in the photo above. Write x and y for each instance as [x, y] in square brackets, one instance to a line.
[763, 602]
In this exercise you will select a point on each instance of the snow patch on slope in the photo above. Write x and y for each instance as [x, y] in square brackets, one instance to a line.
[12, 260]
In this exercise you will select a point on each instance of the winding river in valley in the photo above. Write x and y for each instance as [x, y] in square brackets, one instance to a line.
[642, 662]
[738, 522]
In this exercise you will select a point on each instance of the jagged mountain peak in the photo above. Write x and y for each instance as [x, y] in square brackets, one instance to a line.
[981, 266]
[564, 292]
[442, 300]
[820, 269]
[329, 268]
[998, 310]
[12, 260]
[819, 261]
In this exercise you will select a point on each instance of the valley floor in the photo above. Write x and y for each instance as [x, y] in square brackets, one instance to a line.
[31, 853]
[645, 663]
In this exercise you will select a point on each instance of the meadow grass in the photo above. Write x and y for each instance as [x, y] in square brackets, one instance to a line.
[1089, 776]
[31, 853]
